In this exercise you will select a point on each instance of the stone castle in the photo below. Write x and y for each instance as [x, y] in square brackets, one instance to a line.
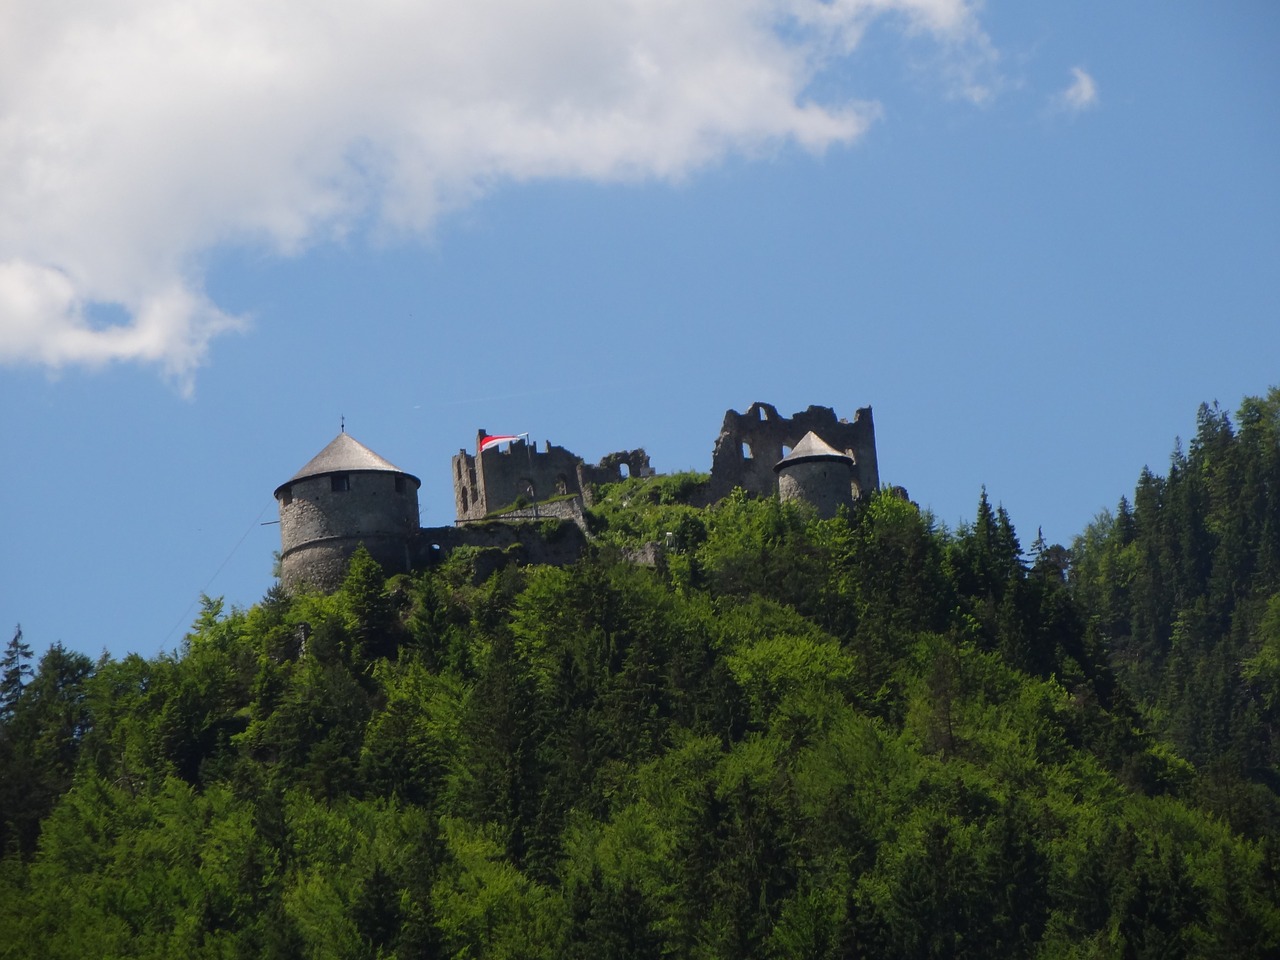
[494, 479]
[347, 495]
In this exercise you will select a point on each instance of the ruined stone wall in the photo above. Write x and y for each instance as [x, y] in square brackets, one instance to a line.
[610, 470]
[549, 541]
[496, 478]
[570, 510]
[321, 527]
[751, 443]
[467, 502]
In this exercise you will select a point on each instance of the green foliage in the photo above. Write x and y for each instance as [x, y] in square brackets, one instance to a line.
[15, 671]
[1181, 590]
[642, 510]
[857, 737]
[486, 905]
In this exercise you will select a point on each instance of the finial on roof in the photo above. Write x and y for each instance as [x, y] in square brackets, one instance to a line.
[342, 424]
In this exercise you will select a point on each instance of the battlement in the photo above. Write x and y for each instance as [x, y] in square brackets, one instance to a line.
[752, 443]
[749, 446]
[347, 495]
[495, 479]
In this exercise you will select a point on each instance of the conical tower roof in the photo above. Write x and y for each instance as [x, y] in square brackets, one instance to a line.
[345, 454]
[812, 447]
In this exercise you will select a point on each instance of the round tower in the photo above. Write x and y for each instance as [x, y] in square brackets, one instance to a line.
[346, 495]
[818, 474]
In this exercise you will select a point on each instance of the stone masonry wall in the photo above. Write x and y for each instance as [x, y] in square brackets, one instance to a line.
[320, 528]
[751, 443]
[548, 541]
[824, 483]
[496, 478]
[570, 510]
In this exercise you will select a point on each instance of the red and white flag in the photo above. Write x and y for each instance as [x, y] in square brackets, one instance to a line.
[492, 441]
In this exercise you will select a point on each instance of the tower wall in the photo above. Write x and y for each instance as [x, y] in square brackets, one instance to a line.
[827, 484]
[321, 525]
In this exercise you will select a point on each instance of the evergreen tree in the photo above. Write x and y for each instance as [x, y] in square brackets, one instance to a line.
[855, 737]
[15, 671]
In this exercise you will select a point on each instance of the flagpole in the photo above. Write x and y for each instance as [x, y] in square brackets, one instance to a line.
[485, 440]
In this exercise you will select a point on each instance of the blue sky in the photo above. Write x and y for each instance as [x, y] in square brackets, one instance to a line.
[1032, 237]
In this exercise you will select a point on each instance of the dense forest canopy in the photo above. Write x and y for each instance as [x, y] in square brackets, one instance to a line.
[861, 737]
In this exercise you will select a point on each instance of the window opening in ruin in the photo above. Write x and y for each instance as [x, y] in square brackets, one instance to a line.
[764, 414]
[340, 482]
[562, 485]
[746, 451]
[786, 451]
[624, 470]
[286, 496]
[466, 505]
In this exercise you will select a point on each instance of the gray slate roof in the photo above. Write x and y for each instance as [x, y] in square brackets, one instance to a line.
[345, 454]
[812, 447]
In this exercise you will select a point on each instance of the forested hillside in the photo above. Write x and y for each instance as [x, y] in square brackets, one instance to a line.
[859, 737]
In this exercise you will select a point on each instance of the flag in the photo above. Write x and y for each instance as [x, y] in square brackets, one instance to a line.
[492, 441]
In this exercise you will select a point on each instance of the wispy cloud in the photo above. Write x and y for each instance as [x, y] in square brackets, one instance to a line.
[1081, 94]
[137, 135]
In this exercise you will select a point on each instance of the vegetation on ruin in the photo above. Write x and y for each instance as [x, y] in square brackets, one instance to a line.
[522, 502]
[643, 510]
[859, 737]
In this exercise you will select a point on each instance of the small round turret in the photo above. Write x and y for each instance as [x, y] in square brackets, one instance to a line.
[818, 474]
[346, 495]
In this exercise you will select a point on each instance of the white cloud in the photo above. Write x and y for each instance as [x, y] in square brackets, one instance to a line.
[136, 135]
[1081, 94]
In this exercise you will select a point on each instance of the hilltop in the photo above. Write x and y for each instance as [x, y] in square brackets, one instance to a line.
[859, 736]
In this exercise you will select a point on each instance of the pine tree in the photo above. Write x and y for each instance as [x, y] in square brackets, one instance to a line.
[15, 671]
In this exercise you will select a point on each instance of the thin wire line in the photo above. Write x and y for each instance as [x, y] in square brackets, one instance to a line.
[204, 591]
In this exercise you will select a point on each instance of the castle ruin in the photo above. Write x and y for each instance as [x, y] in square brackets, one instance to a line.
[495, 479]
[751, 443]
[347, 495]
[818, 474]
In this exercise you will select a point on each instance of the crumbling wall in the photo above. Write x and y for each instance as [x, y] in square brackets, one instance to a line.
[749, 446]
[751, 443]
[570, 510]
[467, 501]
[496, 478]
[547, 541]
[610, 470]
